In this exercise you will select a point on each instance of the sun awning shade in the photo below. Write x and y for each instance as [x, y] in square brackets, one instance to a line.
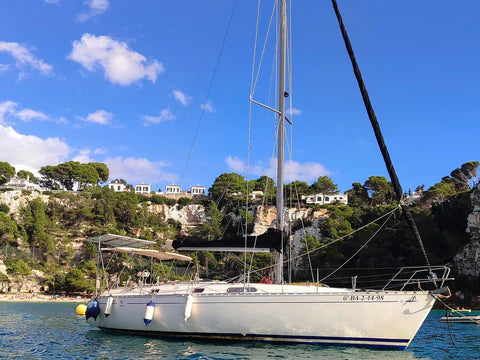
[119, 241]
[157, 254]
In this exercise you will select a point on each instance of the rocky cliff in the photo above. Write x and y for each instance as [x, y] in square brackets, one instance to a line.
[467, 260]
[17, 199]
[188, 215]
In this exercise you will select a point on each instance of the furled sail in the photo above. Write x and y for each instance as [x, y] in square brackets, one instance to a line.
[271, 240]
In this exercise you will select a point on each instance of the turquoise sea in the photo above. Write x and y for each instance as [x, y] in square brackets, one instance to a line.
[54, 331]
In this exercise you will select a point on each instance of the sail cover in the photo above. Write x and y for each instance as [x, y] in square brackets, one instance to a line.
[271, 240]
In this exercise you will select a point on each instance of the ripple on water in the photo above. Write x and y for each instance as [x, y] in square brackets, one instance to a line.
[53, 331]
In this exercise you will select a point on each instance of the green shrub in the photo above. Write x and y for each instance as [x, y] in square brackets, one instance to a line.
[4, 208]
[18, 267]
[184, 201]
[3, 278]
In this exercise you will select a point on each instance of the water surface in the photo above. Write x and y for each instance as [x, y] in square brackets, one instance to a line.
[54, 331]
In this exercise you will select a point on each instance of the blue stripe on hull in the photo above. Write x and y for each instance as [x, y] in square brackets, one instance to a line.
[398, 344]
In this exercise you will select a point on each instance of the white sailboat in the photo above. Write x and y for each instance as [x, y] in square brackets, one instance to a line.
[278, 312]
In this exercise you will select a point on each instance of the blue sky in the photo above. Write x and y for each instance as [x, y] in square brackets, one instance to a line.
[126, 83]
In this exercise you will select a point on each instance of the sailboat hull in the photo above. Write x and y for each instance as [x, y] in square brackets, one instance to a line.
[375, 319]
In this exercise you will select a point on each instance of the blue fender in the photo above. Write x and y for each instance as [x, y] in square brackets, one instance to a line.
[93, 309]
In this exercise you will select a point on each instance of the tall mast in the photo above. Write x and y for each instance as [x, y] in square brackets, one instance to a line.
[281, 135]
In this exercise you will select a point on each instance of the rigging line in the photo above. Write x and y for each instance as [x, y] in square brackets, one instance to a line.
[448, 322]
[182, 119]
[275, 129]
[298, 205]
[218, 201]
[255, 48]
[361, 247]
[353, 232]
[249, 143]
[378, 134]
[171, 266]
[226, 226]
[453, 310]
[223, 193]
[130, 257]
[309, 258]
[337, 240]
[265, 194]
[208, 91]
[252, 90]
[289, 146]
[449, 330]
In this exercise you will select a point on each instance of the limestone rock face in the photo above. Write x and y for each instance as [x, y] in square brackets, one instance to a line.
[473, 220]
[15, 199]
[467, 260]
[266, 217]
[187, 216]
[3, 268]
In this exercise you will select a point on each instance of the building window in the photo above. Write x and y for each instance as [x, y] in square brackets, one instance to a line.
[118, 188]
[319, 198]
[327, 198]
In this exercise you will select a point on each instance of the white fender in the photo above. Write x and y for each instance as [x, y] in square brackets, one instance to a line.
[149, 313]
[188, 306]
[108, 307]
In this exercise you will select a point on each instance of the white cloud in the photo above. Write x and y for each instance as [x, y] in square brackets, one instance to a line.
[52, 1]
[99, 151]
[309, 171]
[30, 152]
[24, 59]
[29, 114]
[208, 107]
[165, 115]
[95, 7]
[293, 111]
[6, 107]
[182, 97]
[83, 156]
[4, 68]
[9, 107]
[137, 169]
[101, 117]
[236, 164]
[294, 170]
[61, 120]
[121, 65]
[98, 5]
